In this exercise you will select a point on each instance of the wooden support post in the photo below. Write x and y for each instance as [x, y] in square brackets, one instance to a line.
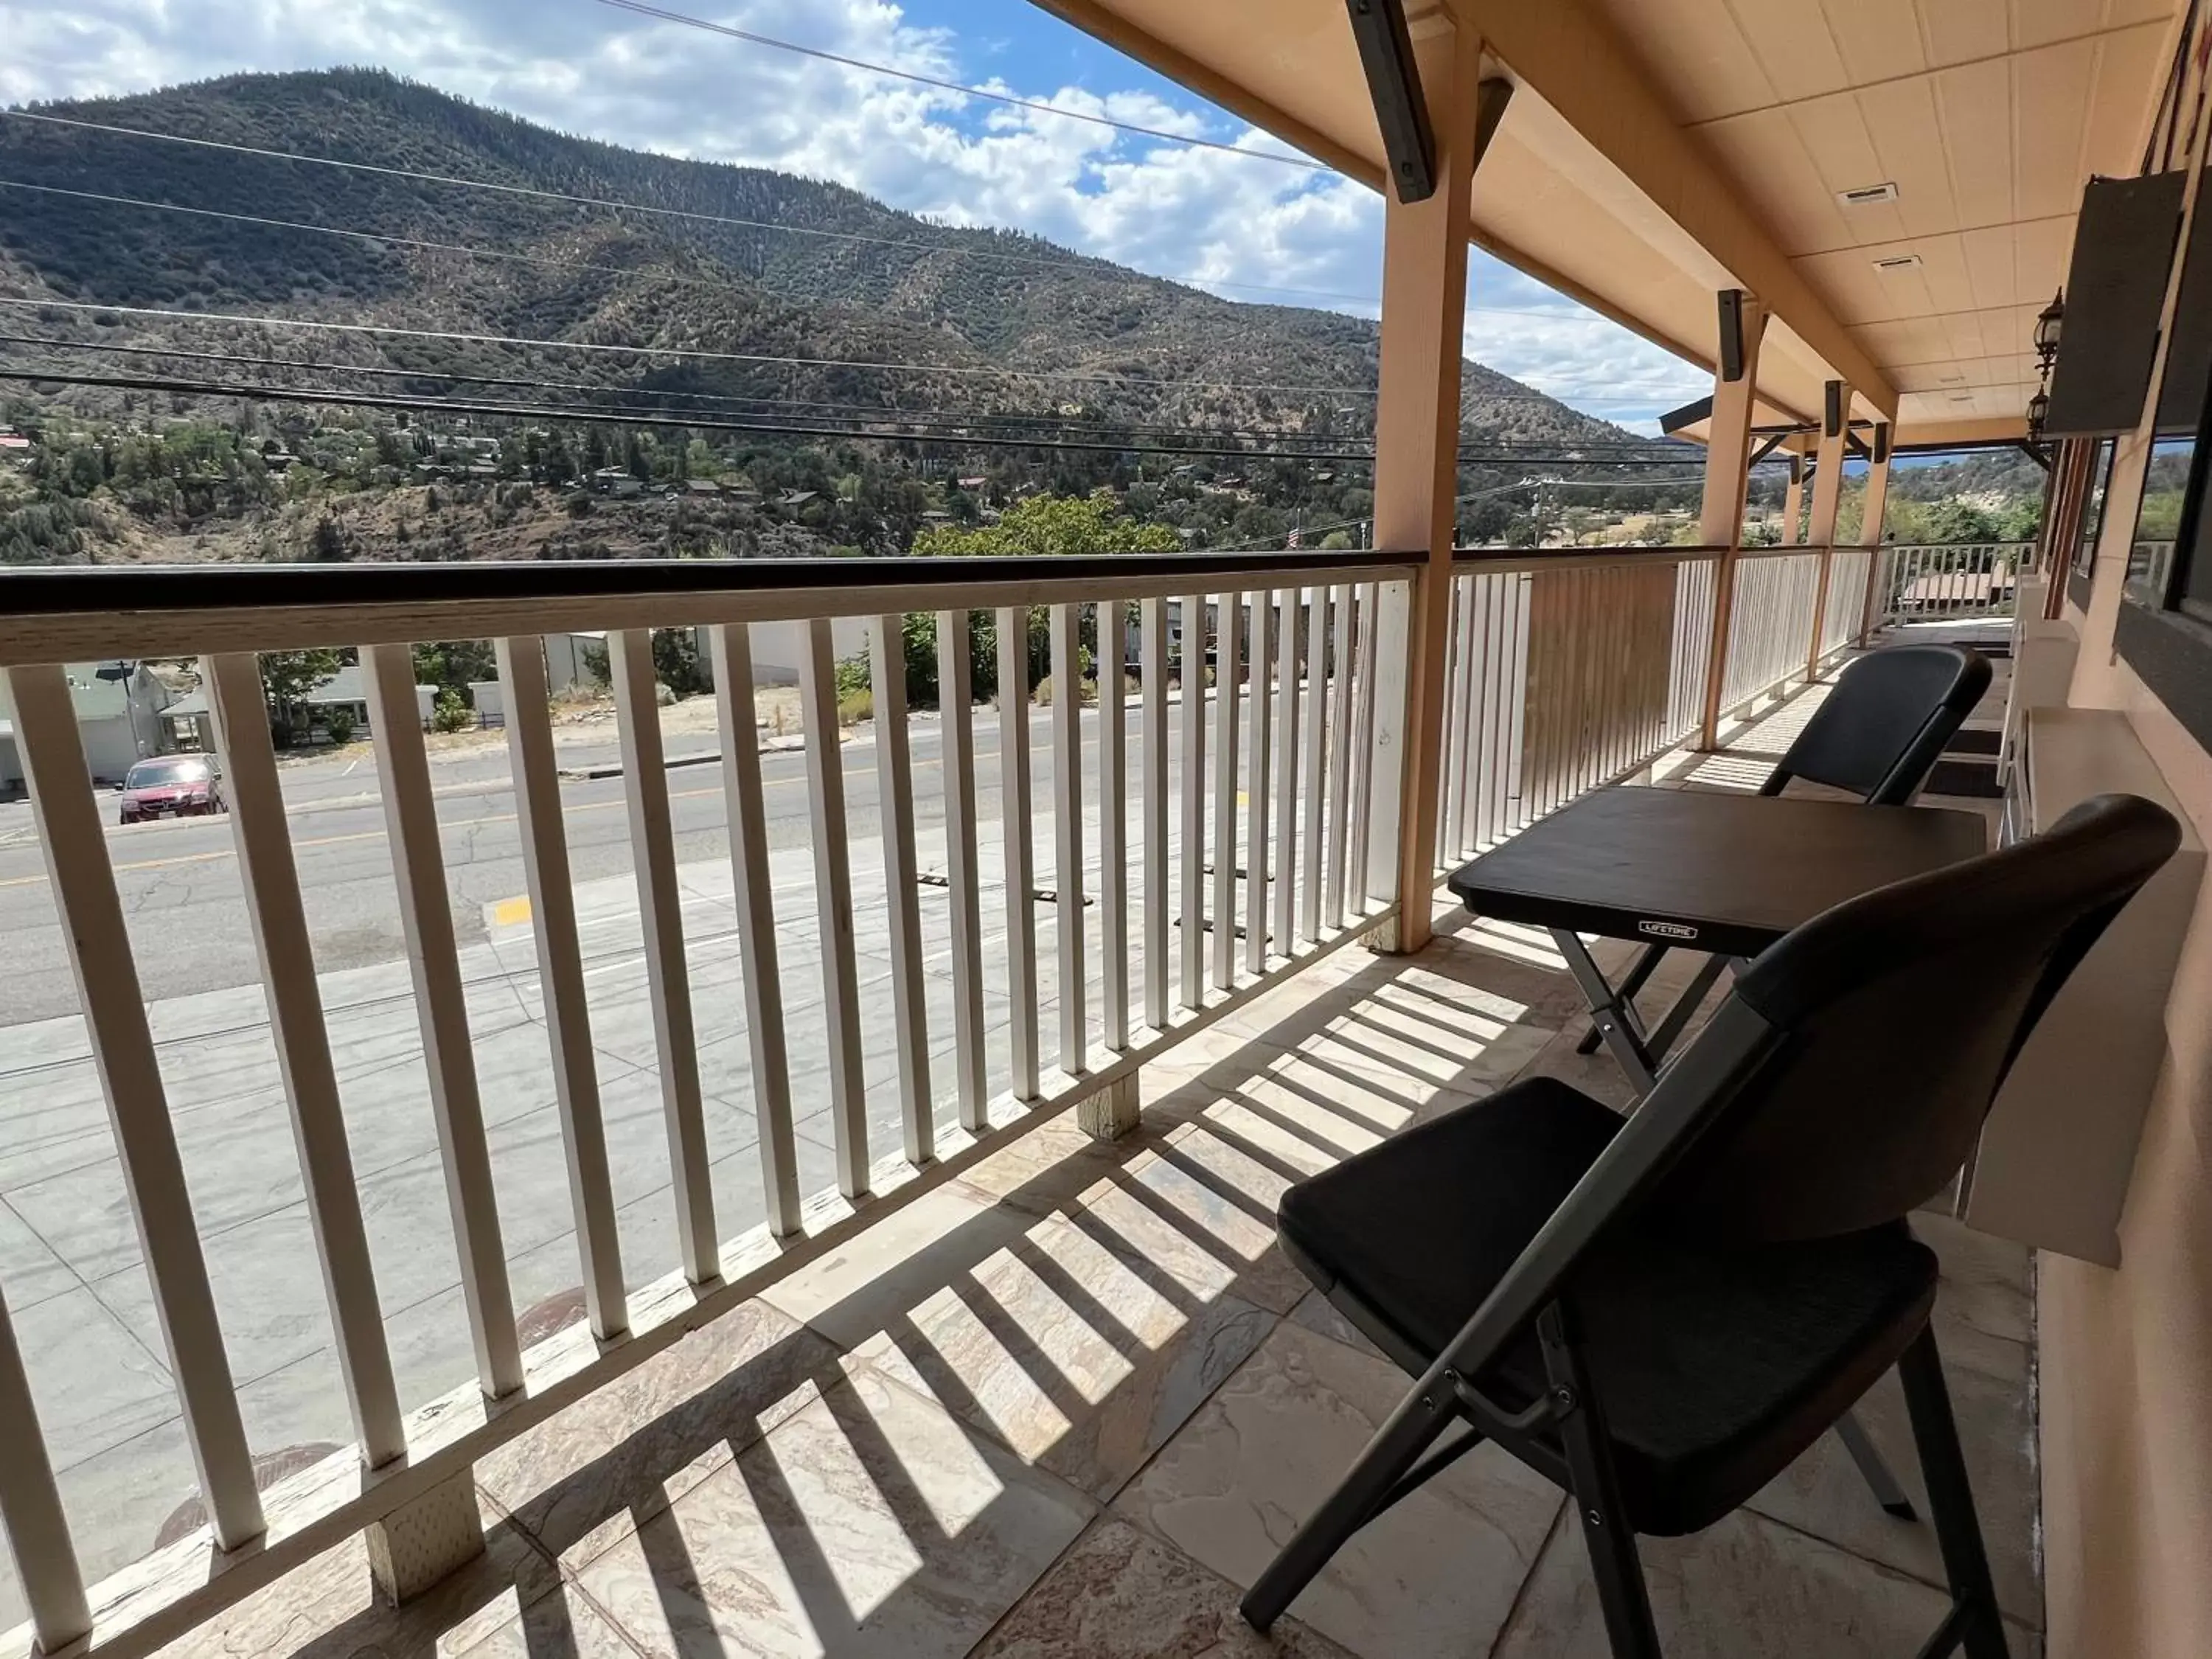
[1416, 470]
[1792, 504]
[1828, 494]
[1873, 512]
[1720, 520]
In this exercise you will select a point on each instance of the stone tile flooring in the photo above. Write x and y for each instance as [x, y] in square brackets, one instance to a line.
[1069, 1405]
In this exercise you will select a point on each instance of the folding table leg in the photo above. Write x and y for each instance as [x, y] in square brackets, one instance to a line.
[1639, 973]
[1616, 1022]
[1687, 1005]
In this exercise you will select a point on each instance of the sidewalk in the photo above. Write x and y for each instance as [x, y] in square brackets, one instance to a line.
[69, 1255]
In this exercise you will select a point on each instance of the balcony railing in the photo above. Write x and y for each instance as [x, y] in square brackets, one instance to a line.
[1259, 833]
[1962, 582]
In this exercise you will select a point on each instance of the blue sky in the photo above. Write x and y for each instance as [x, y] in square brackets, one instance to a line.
[1238, 223]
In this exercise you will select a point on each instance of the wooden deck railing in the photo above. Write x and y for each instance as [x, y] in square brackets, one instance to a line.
[1564, 671]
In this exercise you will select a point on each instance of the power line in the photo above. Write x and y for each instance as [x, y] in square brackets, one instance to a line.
[682, 354]
[614, 206]
[532, 192]
[388, 371]
[678, 353]
[268, 222]
[926, 416]
[661, 418]
[1036, 104]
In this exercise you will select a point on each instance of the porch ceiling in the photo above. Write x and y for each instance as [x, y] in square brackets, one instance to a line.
[1658, 149]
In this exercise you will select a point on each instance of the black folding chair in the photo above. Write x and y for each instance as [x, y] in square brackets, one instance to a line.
[1661, 1312]
[1879, 734]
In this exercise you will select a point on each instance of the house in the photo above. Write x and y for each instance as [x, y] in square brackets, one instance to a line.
[617, 482]
[118, 720]
[792, 500]
[347, 690]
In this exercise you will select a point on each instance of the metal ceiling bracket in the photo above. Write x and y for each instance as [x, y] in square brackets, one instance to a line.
[1394, 82]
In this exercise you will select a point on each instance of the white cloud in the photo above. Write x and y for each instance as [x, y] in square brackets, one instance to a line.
[1237, 223]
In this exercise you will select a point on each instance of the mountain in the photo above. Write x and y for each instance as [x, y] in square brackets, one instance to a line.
[820, 271]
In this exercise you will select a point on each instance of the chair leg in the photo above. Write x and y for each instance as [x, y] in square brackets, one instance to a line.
[1639, 972]
[1369, 1487]
[1976, 1622]
[1607, 1532]
[1872, 1468]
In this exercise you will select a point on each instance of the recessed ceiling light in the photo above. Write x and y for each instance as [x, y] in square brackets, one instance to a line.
[1867, 195]
[1899, 262]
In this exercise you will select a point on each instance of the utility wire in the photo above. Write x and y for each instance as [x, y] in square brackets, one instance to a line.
[1036, 104]
[680, 354]
[458, 181]
[662, 419]
[1073, 257]
[889, 411]
[884, 411]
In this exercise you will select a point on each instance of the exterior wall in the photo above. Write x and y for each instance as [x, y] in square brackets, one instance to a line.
[2126, 1354]
[112, 746]
[780, 647]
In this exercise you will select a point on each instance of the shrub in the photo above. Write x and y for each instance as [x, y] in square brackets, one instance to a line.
[450, 713]
[854, 707]
[339, 725]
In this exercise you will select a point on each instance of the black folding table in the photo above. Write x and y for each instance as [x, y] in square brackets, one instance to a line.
[1725, 874]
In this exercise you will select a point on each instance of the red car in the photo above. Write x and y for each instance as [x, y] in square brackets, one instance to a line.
[173, 785]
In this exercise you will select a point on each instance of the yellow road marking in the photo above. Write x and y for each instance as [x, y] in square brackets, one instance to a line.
[509, 912]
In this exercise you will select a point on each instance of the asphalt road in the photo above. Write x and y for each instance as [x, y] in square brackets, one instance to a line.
[181, 892]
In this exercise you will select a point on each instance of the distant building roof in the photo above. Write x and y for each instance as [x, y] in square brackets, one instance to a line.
[13, 440]
[972, 484]
[796, 497]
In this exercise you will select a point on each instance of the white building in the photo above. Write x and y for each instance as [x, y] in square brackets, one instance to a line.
[118, 719]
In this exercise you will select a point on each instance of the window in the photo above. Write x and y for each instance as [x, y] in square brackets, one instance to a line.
[2150, 559]
[2093, 510]
[2164, 626]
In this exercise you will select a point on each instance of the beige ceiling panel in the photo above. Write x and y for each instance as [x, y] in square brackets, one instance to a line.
[1908, 139]
[1854, 289]
[1794, 46]
[1975, 106]
[1879, 39]
[2130, 70]
[2041, 248]
[1966, 335]
[1994, 280]
[1762, 149]
[1905, 341]
[1961, 31]
[1945, 272]
[2042, 22]
[2051, 88]
[1833, 133]
[1704, 65]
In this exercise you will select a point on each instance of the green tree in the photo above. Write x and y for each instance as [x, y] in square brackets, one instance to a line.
[1960, 521]
[453, 663]
[286, 677]
[1039, 526]
[676, 661]
[1050, 526]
